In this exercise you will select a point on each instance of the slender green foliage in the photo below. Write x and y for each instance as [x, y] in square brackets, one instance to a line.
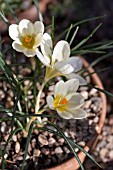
[38, 10]
[81, 22]
[86, 39]
[12, 11]
[68, 32]
[71, 41]
[27, 144]
[53, 29]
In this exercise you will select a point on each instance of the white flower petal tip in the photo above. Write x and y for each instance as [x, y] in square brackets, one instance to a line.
[42, 58]
[38, 27]
[61, 51]
[50, 102]
[65, 115]
[13, 31]
[79, 114]
[75, 62]
[46, 46]
[27, 35]
[82, 81]
[67, 101]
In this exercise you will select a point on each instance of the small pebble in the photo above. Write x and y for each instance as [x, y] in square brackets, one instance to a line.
[103, 153]
[81, 143]
[96, 119]
[42, 139]
[58, 150]
[66, 150]
[93, 92]
[51, 141]
[3, 127]
[84, 94]
[61, 141]
[45, 151]
[17, 147]
[37, 152]
[111, 155]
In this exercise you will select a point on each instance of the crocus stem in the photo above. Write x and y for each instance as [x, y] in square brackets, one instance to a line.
[33, 63]
[37, 106]
[31, 120]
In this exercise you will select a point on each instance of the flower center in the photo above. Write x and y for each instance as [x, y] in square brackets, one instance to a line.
[63, 101]
[60, 103]
[28, 41]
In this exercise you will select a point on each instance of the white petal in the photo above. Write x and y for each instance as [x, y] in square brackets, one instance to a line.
[82, 81]
[26, 27]
[75, 62]
[79, 114]
[38, 27]
[59, 87]
[46, 46]
[30, 52]
[65, 114]
[63, 67]
[50, 102]
[61, 51]
[42, 58]
[17, 46]
[75, 102]
[13, 31]
[38, 40]
[71, 86]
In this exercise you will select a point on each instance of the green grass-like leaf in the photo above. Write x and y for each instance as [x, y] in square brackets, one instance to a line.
[12, 11]
[81, 22]
[38, 10]
[71, 41]
[88, 51]
[68, 32]
[97, 71]
[86, 39]
[53, 29]
[101, 58]
[101, 90]
[4, 18]
[27, 143]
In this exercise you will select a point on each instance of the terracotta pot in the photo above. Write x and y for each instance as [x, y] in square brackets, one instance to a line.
[30, 14]
[72, 164]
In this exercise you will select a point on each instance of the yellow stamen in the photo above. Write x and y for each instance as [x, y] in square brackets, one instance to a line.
[63, 101]
[28, 39]
[60, 103]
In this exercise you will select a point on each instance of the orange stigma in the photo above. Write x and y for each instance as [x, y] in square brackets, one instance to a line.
[63, 101]
[28, 39]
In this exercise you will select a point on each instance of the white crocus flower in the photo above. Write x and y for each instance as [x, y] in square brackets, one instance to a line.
[67, 102]
[27, 36]
[57, 60]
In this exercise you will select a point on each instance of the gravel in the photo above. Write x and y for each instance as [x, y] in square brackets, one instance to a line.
[46, 149]
[46, 146]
